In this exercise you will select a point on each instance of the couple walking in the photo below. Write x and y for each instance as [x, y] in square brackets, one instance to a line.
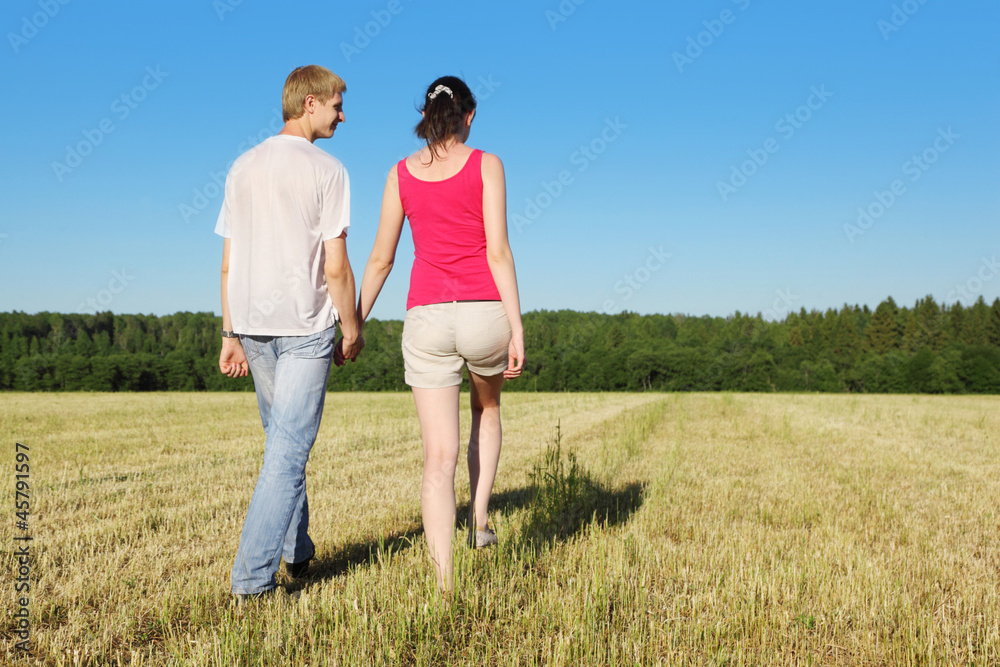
[286, 281]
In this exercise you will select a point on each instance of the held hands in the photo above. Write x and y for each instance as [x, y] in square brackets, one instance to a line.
[232, 359]
[349, 346]
[348, 349]
[515, 357]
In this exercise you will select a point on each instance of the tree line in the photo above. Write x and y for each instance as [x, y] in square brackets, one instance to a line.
[926, 348]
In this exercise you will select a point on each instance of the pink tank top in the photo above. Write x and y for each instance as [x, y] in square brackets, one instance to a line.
[449, 239]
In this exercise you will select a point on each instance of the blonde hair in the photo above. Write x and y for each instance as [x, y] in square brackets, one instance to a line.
[304, 81]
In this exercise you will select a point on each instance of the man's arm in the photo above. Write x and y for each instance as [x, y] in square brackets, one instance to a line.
[232, 359]
[340, 286]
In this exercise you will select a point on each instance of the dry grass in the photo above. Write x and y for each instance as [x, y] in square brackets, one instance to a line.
[695, 529]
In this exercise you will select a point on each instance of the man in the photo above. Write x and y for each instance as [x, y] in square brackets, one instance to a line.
[286, 280]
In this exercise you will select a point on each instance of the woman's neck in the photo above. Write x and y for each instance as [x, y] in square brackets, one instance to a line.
[444, 148]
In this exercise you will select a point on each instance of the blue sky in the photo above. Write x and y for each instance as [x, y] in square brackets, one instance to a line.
[697, 158]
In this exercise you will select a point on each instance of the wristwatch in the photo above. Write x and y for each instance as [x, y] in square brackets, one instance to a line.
[228, 334]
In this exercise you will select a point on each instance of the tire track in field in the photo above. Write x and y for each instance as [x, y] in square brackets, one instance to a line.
[567, 493]
[620, 444]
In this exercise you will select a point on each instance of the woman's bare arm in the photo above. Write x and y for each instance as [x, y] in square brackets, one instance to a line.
[500, 258]
[390, 225]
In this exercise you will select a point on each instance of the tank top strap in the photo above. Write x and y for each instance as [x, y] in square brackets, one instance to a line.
[472, 172]
[476, 159]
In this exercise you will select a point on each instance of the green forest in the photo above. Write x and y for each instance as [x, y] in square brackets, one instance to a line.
[926, 348]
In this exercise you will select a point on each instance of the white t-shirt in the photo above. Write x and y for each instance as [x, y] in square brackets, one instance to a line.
[284, 197]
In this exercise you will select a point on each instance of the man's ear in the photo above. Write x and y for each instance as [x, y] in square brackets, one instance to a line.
[309, 105]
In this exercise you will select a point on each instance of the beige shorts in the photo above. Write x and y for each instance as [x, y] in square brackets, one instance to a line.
[440, 338]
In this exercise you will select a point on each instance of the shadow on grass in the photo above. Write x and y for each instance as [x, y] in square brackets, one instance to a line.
[359, 554]
[594, 505]
[558, 511]
[561, 500]
[561, 503]
[355, 554]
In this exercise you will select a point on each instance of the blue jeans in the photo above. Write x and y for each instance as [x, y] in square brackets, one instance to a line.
[289, 375]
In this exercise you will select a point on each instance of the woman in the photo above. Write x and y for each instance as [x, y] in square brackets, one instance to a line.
[462, 307]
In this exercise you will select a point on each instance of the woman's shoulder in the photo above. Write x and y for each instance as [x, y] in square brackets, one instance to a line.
[492, 165]
[393, 175]
[415, 160]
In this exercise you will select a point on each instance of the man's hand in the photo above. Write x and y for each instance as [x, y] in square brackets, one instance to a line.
[348, 349]
[232, 359]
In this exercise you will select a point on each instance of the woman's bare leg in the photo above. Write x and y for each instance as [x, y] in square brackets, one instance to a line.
[437, 410]
[484, 444]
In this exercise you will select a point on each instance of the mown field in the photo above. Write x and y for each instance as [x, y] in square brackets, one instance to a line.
[667, 529]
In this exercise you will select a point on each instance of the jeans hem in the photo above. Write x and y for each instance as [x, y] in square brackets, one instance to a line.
[262, 590]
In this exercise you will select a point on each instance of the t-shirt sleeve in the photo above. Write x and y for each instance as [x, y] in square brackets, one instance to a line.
[335, 206]
[222, 227]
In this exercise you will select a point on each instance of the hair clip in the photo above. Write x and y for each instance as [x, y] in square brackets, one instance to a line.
[440, 89]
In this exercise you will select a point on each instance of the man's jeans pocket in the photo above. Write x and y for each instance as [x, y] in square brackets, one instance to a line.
[313, 346]
[253, 346]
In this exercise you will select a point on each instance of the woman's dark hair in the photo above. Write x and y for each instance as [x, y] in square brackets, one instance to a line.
[446, 103]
